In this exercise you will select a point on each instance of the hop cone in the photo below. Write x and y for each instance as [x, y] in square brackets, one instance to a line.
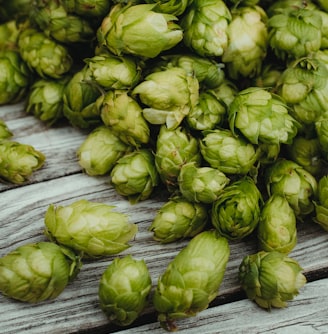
[271, 279]
[174, 148]
[15, 77]
[227, 152]
[178, 219]
[236, 212]
[135, 175]
[5, 132]
[321, 203]
[36, 272]
[92, 229]
[44, 55]
[277, 226]
[138, 30]
[124, 289]
[100, 151]
[18, 161]
[298, 186]
[205, 26]
[192, 279]
[45, 99]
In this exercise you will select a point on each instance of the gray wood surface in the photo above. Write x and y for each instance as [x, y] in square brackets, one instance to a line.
[61, 182]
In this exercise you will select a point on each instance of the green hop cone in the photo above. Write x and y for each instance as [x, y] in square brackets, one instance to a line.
[201, 184]
[138, 30]
[14, 9]
[225, 92]
[236, 212]
[205, 25]
[100, 151]
[45, 99]
[168, 95]
[174, 7]
[209, 72]
[174, 148]
[114, 72]
[15, 77]
[90, 228]
[271, 279]
[79, 100]
[287, 178]
[307, 153]
[51, 17]
[192, 279]
[248, 40]
[135, 176]
[178, 219]
[228, 153]
[19, 161]
[36, 272]
[304, 86]
[9, 32]
[294, 32]
[43, 55]
[123, 290]
[5, 132]
[123, 114]
[276, 229]
[208, 113]
[262, 116]
[321, 203]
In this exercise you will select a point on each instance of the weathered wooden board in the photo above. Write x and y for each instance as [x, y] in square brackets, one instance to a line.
[61, 182]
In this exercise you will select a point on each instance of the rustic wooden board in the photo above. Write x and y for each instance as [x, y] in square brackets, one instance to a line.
[61, 182]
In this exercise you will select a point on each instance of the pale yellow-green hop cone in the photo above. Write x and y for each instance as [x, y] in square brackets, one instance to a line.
[36, 272]
[90, 228]
[138, 30]
[5, 132]
[43, 55]
[276, 230]
[114, 72]
[262, 117]
[15, 77]
[227, 152]
[169, 95]
[247, 42]
[208, 113]
[135, 176]
[9, 32]
[100, 151]
[287, 178]
[174, 148]
[124, 290]
[123, 114]
[236, 212]
[271, 279]
[178, 219]
[294, 32]
[321, 203]
[192, 279]
[79, 100]
[19, 161]
[45, 99]
[304, 86]
[53, 19]
[209, 72]
[321, 129]
[205, 25]
[201, 184]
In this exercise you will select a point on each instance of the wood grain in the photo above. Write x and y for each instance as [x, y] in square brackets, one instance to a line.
[76, 310]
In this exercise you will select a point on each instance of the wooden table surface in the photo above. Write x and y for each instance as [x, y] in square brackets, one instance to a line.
[77, 310]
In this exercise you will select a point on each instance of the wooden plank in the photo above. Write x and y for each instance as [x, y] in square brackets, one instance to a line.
[59, 143]
[22, 222]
